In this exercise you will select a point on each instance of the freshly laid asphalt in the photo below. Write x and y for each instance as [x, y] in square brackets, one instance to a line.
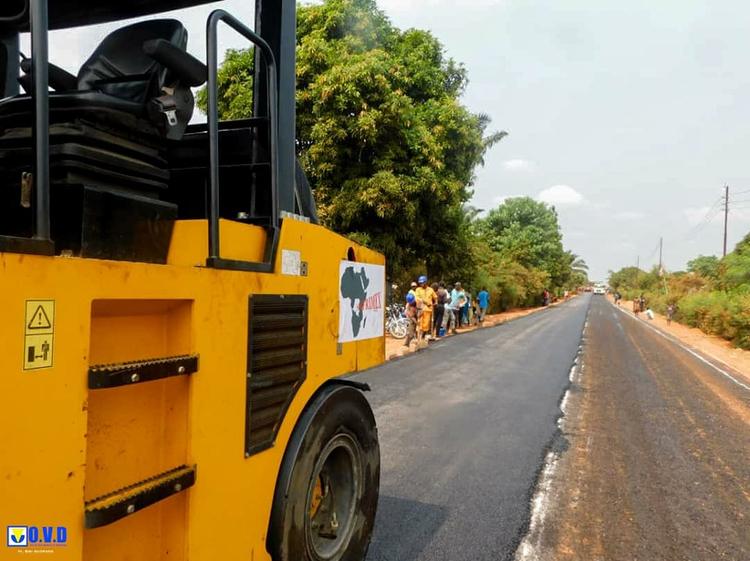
[464, 429]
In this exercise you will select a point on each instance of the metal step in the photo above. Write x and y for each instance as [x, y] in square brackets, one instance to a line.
[126, 501]
[129, 373]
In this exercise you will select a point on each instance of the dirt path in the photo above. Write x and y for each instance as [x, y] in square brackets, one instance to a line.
[657, 466]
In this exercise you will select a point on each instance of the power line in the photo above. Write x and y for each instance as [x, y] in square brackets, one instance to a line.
[653, 253]
[711, 213]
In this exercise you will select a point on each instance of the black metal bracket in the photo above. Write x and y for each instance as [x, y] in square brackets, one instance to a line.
[11, 244]
[113, 506]
[236, 265]
[129, 373]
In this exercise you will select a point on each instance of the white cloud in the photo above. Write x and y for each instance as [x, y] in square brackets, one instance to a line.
[518, 165]
[561, 195]
[629, 215]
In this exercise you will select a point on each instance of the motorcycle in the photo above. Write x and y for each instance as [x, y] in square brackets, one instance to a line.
[396, 323]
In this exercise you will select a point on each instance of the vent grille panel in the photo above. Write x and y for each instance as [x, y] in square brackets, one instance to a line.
[277, 364]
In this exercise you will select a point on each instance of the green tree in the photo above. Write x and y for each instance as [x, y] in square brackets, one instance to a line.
[527, 232]
[626, 278]
[387, 145]
[706, 266]
[735, 267]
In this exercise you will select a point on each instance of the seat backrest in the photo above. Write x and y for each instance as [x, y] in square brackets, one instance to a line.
[120, 67]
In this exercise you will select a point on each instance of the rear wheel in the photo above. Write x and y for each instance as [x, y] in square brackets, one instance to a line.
[326, 496]
[398, 328]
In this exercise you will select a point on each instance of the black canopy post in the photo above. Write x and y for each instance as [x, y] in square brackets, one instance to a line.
[276, 22]
[9, 53]
[40, 93]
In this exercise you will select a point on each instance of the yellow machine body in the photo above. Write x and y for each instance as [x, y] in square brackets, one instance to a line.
[64, 444]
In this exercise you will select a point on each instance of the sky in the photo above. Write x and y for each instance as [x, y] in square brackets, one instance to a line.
[628, 117]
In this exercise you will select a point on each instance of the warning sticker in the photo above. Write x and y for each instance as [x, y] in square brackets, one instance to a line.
[39, 334]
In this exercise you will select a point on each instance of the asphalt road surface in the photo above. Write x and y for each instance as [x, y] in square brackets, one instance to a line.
[464, 429]
[658, 463]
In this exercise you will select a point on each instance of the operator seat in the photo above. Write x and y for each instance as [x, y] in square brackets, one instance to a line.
[121, 68]
[127, 77]
[109, 131]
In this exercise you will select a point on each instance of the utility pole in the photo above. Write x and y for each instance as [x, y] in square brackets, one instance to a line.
[661, 243]
[726, 216]
[637, 269]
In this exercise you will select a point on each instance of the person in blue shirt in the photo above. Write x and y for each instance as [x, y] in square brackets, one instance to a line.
[458, 300]
[411, 316]
[484, 303]
[466, 309]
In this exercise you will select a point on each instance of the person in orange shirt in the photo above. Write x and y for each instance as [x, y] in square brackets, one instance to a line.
[427, 297]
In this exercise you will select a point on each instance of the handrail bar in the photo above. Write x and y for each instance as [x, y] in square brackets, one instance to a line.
[213, 131]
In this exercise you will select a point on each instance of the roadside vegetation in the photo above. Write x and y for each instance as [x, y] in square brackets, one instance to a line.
[391, 152]
[712, 295]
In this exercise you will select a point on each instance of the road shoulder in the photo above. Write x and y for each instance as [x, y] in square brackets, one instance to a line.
[719, 352]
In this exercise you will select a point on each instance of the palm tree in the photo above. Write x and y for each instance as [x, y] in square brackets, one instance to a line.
[491, 139]
[578, 268]
[578, 265]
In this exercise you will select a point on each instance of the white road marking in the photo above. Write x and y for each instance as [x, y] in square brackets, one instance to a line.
[692, 352]
[531, 547]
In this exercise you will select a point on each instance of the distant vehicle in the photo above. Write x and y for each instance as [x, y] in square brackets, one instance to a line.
[599, 289]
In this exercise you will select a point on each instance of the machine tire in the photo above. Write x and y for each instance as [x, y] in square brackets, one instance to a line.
[332, 465]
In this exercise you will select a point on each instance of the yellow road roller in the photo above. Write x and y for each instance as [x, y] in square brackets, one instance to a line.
[176, 327]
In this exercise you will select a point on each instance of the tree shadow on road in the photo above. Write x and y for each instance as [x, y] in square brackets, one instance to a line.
[404, 528]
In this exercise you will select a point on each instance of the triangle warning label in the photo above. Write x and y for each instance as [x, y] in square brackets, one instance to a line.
[40, 319]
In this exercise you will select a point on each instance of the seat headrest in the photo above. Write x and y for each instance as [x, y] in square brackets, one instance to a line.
[121, 53]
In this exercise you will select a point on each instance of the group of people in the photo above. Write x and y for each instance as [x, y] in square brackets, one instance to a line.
[640, 305]
[434, 310]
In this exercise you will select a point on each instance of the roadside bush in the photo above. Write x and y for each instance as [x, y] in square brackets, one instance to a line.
[725, 314]
[713, 296]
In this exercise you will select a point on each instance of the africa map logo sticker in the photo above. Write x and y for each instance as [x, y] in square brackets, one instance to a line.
[361, 301]
[18, 536]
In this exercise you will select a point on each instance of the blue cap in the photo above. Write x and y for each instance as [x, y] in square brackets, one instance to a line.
[410, 298]
[422, 279]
